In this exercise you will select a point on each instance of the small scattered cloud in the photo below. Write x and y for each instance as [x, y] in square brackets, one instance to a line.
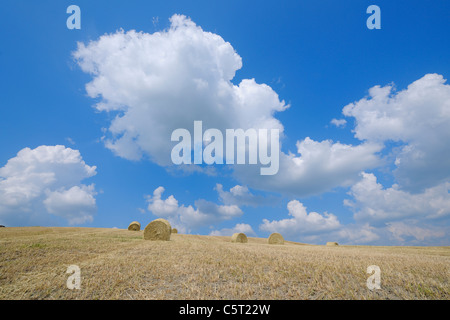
[70, 140]
[155, 21]
[406, 230]
[340, 123]
[355, 234]
[238, 228]
[241, 196]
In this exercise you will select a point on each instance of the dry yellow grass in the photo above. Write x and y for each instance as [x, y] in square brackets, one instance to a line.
[118, 264]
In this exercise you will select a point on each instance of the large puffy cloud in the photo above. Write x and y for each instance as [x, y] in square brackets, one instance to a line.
[418, 118]
[318, 167]
[302, 223]
[188, 218]
[46, 180]
[376, 204]
[163, 81]
[159, 82]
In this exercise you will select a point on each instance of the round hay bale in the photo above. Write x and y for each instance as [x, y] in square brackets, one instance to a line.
[134, 226]
[158, 229]
[332, 244]
[275, 238]
[174, 230]
[239, 237]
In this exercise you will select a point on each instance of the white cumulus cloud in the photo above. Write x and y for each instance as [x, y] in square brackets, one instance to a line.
[374, 203]
[419, 119]
[188, 218]
[302, 223]
[318, 167]
[156, 83]
[76, 204]
[46, 180]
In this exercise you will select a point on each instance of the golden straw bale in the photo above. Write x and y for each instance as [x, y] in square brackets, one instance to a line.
[239, 237]
[276, 238]
[134, 226]
[158, 229]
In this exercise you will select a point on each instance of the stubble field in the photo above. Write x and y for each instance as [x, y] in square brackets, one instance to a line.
[119, 264]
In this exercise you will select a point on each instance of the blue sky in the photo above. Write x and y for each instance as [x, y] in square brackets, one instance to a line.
[380, 178]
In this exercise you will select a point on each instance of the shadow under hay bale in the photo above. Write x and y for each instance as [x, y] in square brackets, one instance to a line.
[239, 238]
[332, 244]
[275, 238]
[134, 226]
[158, 229]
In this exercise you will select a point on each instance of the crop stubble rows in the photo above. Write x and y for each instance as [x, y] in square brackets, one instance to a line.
[119, 264]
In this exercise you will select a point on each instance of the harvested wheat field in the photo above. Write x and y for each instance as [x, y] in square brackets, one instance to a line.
[118, 264]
